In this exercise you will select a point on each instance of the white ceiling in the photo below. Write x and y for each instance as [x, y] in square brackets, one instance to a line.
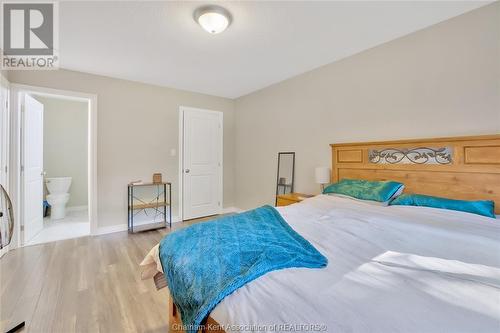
[267, 42]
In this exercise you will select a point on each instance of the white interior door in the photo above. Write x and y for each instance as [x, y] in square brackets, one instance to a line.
[33, 167]
[202, 163]
[4, 132]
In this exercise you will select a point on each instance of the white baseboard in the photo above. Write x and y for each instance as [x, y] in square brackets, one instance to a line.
[124, 227]
[111, 229]
[228, 210]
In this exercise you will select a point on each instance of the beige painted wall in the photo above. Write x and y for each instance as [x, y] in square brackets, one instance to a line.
[65, 144]
[137, 126]
[441, 81]
[4, 73]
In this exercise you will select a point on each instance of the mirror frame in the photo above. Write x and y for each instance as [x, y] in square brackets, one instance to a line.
[278, 172]
[8, 215]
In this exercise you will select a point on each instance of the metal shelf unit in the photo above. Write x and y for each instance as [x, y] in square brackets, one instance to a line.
[161, 202]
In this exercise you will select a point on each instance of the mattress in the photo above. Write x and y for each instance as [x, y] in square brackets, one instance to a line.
[391, 269]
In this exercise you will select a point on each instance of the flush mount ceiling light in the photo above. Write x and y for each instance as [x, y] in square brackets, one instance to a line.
[213, 19]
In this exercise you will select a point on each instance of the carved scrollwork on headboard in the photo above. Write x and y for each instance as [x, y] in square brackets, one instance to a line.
[420, 155]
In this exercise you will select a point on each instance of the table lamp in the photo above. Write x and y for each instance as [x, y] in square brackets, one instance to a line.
[322, 176]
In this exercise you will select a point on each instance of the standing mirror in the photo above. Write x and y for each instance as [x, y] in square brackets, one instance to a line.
[286, 165]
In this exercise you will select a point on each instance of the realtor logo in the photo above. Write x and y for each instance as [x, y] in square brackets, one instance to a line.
[29, 36]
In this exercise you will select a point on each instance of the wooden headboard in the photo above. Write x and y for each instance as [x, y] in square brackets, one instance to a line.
[465, 168]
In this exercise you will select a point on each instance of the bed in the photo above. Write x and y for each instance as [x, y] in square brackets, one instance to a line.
[396, 268]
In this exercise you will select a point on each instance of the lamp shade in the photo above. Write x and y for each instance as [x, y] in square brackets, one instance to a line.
[322, 175]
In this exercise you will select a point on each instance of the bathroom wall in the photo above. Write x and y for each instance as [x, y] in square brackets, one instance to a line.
[65, 138]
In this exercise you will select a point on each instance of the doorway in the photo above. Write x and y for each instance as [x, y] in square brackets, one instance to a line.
[200, 162]
[57, 165]
[4, 147]
[4, 132]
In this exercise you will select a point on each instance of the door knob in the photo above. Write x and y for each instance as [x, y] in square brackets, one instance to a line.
[187, 170]
[43, 173]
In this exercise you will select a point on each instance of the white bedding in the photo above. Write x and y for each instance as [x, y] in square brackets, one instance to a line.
[391, 269]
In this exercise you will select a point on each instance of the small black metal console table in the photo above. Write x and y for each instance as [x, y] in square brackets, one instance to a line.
[160, 206]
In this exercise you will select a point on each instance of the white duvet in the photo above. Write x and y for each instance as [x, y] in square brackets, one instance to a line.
[391, 269]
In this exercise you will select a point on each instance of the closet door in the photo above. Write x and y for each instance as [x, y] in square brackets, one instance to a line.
[202, 163]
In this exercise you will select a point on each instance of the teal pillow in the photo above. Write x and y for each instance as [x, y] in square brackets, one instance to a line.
[380, 191]
[482, 207]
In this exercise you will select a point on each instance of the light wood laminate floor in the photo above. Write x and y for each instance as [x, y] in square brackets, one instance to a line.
[88, 284]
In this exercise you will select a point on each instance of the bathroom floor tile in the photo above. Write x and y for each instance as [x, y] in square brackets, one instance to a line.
[75, 224]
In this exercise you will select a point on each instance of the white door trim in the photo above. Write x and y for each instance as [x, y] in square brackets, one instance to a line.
[5, 135]
[5, 145]
[181, 157]
[17, 91]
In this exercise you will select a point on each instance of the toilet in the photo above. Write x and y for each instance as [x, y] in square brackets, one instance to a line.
[58, 196]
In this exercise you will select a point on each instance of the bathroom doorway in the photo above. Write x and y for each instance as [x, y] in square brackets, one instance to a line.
[57, 165]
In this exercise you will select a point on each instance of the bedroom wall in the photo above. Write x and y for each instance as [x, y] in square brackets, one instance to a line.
[65, 144]
[440, 81]
[137, 126]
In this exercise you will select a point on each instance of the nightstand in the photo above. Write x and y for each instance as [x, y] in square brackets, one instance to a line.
[291, 198]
